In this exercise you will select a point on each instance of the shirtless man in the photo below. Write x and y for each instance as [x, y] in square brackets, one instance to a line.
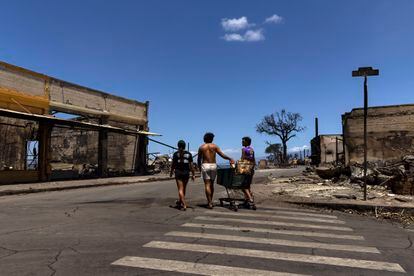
[207, 163]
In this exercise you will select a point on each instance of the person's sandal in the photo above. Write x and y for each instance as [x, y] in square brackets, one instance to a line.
[210, 206]
[252, 205]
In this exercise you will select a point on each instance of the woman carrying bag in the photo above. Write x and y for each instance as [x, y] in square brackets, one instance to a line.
[246, 166]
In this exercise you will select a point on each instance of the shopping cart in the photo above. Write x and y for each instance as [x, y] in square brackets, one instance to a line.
[233, 183]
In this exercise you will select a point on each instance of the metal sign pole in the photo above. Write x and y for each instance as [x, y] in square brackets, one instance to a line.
[365, 135]
[365, 72]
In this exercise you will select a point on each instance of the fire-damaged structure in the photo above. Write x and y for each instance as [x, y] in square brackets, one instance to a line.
[390, 133]
[390, 145]
[327, 149]
[98, 135]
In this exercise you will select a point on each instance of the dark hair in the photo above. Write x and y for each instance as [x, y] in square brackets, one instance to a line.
[248, 140]
[181, 144]
[208, 137]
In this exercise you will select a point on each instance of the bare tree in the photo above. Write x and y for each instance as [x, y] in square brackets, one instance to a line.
[282, 124]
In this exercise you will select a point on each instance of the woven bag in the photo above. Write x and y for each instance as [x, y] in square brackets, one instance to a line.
[244, 167]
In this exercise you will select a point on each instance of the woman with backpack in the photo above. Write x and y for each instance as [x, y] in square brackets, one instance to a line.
[182, 165]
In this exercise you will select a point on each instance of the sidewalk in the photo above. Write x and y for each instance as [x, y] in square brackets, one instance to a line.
[26, 188]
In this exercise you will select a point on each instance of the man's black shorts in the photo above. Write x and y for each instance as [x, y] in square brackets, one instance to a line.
[182, 175]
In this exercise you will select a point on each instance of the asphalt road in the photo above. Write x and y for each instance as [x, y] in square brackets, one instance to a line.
[130, 230]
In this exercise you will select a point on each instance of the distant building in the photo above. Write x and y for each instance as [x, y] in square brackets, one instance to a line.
[327, 149]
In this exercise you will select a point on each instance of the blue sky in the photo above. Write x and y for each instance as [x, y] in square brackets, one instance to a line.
[179, 55]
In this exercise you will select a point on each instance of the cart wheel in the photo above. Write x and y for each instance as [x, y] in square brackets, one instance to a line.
[254, 207]
[221, 203]
[236, 208]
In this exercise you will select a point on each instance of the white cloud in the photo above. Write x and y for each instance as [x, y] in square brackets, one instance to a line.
[233, 37]
[296, 149]
[254, 35]
[276, 19]
[235, 24]
[250, 36]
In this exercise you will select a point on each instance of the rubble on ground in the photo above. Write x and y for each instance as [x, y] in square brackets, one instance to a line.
[310, 185]
[397, 176]
[161, 164]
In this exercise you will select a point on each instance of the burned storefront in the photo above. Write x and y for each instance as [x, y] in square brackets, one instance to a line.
[52, 129]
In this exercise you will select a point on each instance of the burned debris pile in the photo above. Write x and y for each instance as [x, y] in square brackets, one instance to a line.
[387, 183]
[398, 176]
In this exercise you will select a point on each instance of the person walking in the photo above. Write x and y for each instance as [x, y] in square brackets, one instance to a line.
[182, 165]
[207, 163]
[247, 156]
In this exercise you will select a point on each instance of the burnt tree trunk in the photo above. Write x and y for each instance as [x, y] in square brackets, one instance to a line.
[284, 157]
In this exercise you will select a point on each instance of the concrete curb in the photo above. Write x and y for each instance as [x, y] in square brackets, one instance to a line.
[62, 188]
[357, 207]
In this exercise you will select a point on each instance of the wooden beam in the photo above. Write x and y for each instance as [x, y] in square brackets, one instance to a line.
[44, 136]
[103, 149]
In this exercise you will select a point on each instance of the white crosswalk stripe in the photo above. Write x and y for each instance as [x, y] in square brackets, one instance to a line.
[264, 254]
[278, 223]
[261, 215]
[240, 230]
[294, 211]
[273, 231]
[194, 268]
[329, 246]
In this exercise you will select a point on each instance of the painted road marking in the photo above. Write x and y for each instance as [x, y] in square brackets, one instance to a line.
[278, 223]
[273, 231]
[295, 213]
[273, 255]
[339, 247]
[261, 215]
[194, 268]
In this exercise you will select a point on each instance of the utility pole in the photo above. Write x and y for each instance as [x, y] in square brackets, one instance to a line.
[365, 72]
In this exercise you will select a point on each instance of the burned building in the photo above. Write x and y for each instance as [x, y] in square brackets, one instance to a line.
[390, 133]
[327, 150]
[390, 145]
[99, 135]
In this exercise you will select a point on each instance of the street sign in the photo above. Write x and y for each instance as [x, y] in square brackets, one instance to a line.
[365, 71]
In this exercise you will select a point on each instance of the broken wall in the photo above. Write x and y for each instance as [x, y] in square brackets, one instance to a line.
[25, 90]
[31, 93]
[390, 134]
[14, 133]
[75, 150]
[324, 149]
